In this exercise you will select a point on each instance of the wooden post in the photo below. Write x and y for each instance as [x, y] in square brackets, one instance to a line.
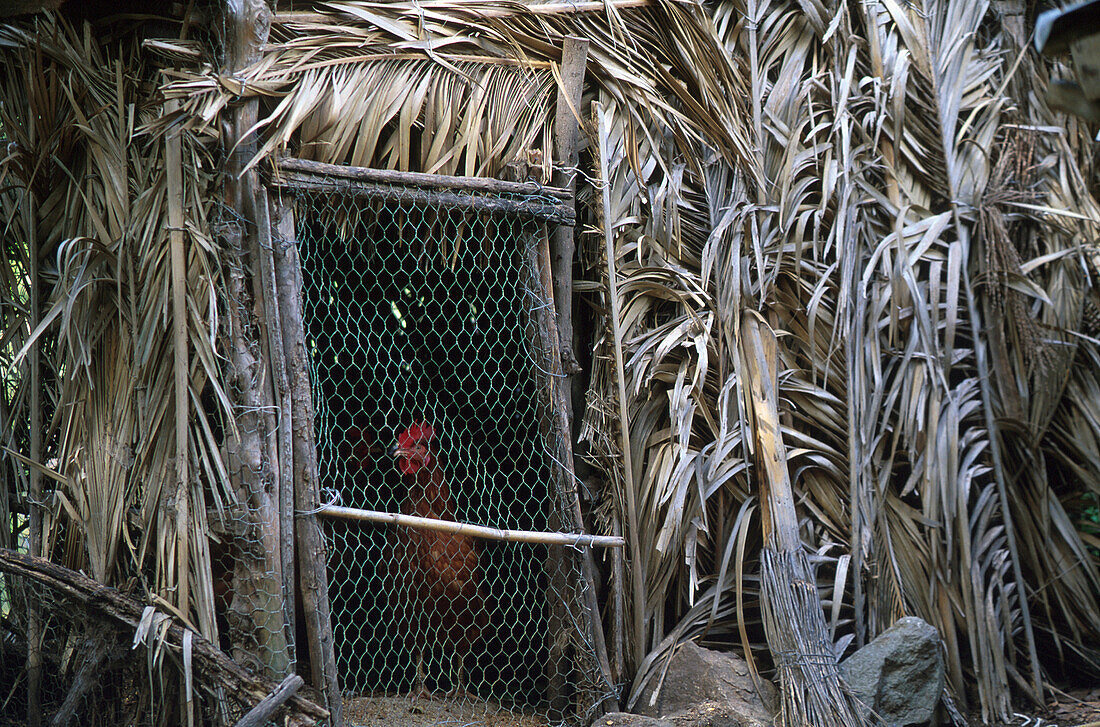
[276, 353]
[312, 565]
[574, 59]
[558, 265]
[254, 453]
[558, 438]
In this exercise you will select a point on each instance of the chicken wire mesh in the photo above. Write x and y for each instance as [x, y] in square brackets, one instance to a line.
[426, 372]
[93, 672]
[89, 675]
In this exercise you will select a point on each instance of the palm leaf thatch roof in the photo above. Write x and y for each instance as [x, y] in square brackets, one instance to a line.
[881, 181]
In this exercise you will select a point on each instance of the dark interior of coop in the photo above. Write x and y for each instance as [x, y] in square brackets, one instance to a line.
[420, 315]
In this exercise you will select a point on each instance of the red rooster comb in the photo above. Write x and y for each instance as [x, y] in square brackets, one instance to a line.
[418, 432]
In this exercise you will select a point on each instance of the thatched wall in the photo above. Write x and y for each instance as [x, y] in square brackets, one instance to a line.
[884, 183]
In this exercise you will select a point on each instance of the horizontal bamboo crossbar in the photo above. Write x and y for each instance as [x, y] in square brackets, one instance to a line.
[576, 540]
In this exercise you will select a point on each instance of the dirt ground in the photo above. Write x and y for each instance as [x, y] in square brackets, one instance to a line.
[1076, 708]
[384, 711]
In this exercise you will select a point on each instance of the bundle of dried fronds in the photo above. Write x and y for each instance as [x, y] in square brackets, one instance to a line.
[90, 363]
[812, 690]
[464, 88]
[873, 133]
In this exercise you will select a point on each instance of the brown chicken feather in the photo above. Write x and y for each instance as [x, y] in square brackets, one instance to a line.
[438, 578]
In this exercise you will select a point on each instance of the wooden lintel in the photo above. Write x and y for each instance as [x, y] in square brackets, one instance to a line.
[486, 11]
[422, 180]
[548, 210]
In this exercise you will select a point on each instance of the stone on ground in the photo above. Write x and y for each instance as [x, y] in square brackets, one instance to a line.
[705, 688]
[900, 674]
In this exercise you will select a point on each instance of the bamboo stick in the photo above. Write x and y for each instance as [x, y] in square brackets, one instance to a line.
[637, 573]
[553, 211]
[420, 179]
[173, 167]
[34, 363]
[575, 540]
[174, 171]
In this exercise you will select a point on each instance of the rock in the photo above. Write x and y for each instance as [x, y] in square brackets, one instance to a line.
[625, 719]
[709, 688]
[900, 674]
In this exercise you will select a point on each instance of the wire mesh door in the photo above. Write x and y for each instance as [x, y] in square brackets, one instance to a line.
[424, 384]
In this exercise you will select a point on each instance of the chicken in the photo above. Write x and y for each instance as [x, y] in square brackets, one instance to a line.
[438, 579]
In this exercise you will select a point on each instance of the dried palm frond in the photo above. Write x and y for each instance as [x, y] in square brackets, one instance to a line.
[91, 182]
[872, 136]
[881, 181]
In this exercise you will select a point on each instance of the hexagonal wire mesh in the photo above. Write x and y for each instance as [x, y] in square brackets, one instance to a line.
[89, 674]
[92, 672]
[417, 317]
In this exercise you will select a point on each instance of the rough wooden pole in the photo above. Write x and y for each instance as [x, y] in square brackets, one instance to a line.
[562, 464]
[312, 560]
[213, 669]
[552, 210]
[257, 600]
[574, 59]
[259, 714]
[276, 353]
[574, 56]
[414, 180]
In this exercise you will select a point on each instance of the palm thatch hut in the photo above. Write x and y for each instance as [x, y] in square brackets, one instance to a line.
[247, 244]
